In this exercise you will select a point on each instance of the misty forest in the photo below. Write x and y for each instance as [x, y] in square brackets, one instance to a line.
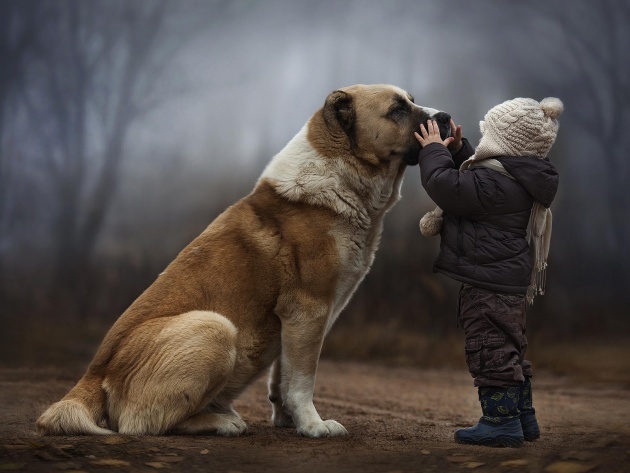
[126, 127]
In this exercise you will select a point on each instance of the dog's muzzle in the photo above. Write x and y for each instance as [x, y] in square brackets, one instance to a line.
[443, 121]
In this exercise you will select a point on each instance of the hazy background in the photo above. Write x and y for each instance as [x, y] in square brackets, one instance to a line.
[126, 127]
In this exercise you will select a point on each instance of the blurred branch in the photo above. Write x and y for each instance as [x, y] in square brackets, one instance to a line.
[19, 22]
[81, 76]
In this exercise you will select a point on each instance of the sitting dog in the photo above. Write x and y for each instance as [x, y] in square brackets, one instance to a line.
[259, 288]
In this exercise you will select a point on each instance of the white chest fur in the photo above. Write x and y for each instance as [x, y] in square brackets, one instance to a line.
[300, 173]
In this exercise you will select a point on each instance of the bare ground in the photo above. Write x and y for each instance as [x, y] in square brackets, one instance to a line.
[399, 419]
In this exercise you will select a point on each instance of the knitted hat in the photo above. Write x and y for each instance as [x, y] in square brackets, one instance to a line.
[520, 127]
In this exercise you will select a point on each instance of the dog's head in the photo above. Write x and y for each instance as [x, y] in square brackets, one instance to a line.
[377, 122]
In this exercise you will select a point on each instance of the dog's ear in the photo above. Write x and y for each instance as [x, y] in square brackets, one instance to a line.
[339, 109]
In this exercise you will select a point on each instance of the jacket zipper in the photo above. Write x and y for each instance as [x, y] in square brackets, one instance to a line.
[460, 238]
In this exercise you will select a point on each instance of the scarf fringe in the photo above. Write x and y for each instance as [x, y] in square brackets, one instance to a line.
[540, 222]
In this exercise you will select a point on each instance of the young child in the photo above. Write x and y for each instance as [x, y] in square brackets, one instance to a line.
[495, 227]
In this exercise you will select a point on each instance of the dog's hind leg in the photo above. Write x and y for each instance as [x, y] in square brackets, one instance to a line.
[227, 424]
[168, 370]
[218, 418]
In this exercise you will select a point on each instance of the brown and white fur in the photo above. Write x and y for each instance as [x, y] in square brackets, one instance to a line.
[260, 287]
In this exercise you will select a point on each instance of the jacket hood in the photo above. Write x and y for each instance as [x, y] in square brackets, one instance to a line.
[538, 176]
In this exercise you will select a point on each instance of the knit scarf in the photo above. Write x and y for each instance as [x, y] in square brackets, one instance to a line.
[538, 230]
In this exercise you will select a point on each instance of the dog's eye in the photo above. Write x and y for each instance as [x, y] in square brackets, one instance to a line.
[399, 111]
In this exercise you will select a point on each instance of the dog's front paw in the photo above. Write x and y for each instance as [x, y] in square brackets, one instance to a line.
[323, 428]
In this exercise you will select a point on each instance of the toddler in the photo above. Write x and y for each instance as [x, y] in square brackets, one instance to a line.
[495, 225]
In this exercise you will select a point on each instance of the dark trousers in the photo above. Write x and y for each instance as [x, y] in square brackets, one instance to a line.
[494, 325]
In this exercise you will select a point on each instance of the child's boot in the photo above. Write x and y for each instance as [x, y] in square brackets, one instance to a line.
[500, 425]
[529, 424]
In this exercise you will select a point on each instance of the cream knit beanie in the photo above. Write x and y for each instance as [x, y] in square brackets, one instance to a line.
[520, 127]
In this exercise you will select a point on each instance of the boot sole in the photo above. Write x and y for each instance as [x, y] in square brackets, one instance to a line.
[500, 442]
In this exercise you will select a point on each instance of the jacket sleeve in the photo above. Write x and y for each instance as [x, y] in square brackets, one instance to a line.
[463, 153]
[452, 190]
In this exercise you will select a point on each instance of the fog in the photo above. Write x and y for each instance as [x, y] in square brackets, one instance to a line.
[126, 127]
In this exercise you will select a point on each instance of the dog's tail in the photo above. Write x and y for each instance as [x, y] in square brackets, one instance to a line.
[79, 412]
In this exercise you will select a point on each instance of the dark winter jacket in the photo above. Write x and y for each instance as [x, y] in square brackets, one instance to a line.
[483, 237]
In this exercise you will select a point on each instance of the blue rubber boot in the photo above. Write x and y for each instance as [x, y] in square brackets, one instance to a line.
[500, 425]
[529, 424]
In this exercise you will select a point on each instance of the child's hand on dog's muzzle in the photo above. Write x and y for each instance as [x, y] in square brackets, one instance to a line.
[431, 134]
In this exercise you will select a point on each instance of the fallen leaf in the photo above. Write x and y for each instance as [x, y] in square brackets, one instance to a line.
[515, 463]
[47, 456]
[115, 440]
[12, 466]
[110, 462]
[205, 451]
[67, 466]
[136, 451]
[64, 446]
[169, 459]
[583, 455]
[568, 467]
[473, 465]
[460, 459]
[17, 447]
[157, 465]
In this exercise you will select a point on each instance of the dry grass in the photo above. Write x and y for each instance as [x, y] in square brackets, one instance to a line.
[48, 342]
[393, 345]
[601, 360]
[586, 360]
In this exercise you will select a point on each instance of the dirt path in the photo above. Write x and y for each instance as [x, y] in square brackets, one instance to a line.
[400, 419]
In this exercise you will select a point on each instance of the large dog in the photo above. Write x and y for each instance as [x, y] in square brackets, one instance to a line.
[260, 287]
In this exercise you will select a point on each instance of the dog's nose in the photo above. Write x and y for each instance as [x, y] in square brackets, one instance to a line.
[442, 117]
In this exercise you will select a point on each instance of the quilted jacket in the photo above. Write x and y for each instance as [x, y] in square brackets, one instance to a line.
[483, 237]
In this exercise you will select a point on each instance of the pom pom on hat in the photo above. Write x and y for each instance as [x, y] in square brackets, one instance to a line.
[552, 107]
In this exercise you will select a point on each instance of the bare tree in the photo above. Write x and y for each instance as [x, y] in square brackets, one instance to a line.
[595, 44]
[96, 71]
[18, 23]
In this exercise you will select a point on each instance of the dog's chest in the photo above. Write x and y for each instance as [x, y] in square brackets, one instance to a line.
[356, 249]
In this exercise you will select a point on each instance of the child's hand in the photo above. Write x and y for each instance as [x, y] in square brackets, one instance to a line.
[456, 144]
[432, 135]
